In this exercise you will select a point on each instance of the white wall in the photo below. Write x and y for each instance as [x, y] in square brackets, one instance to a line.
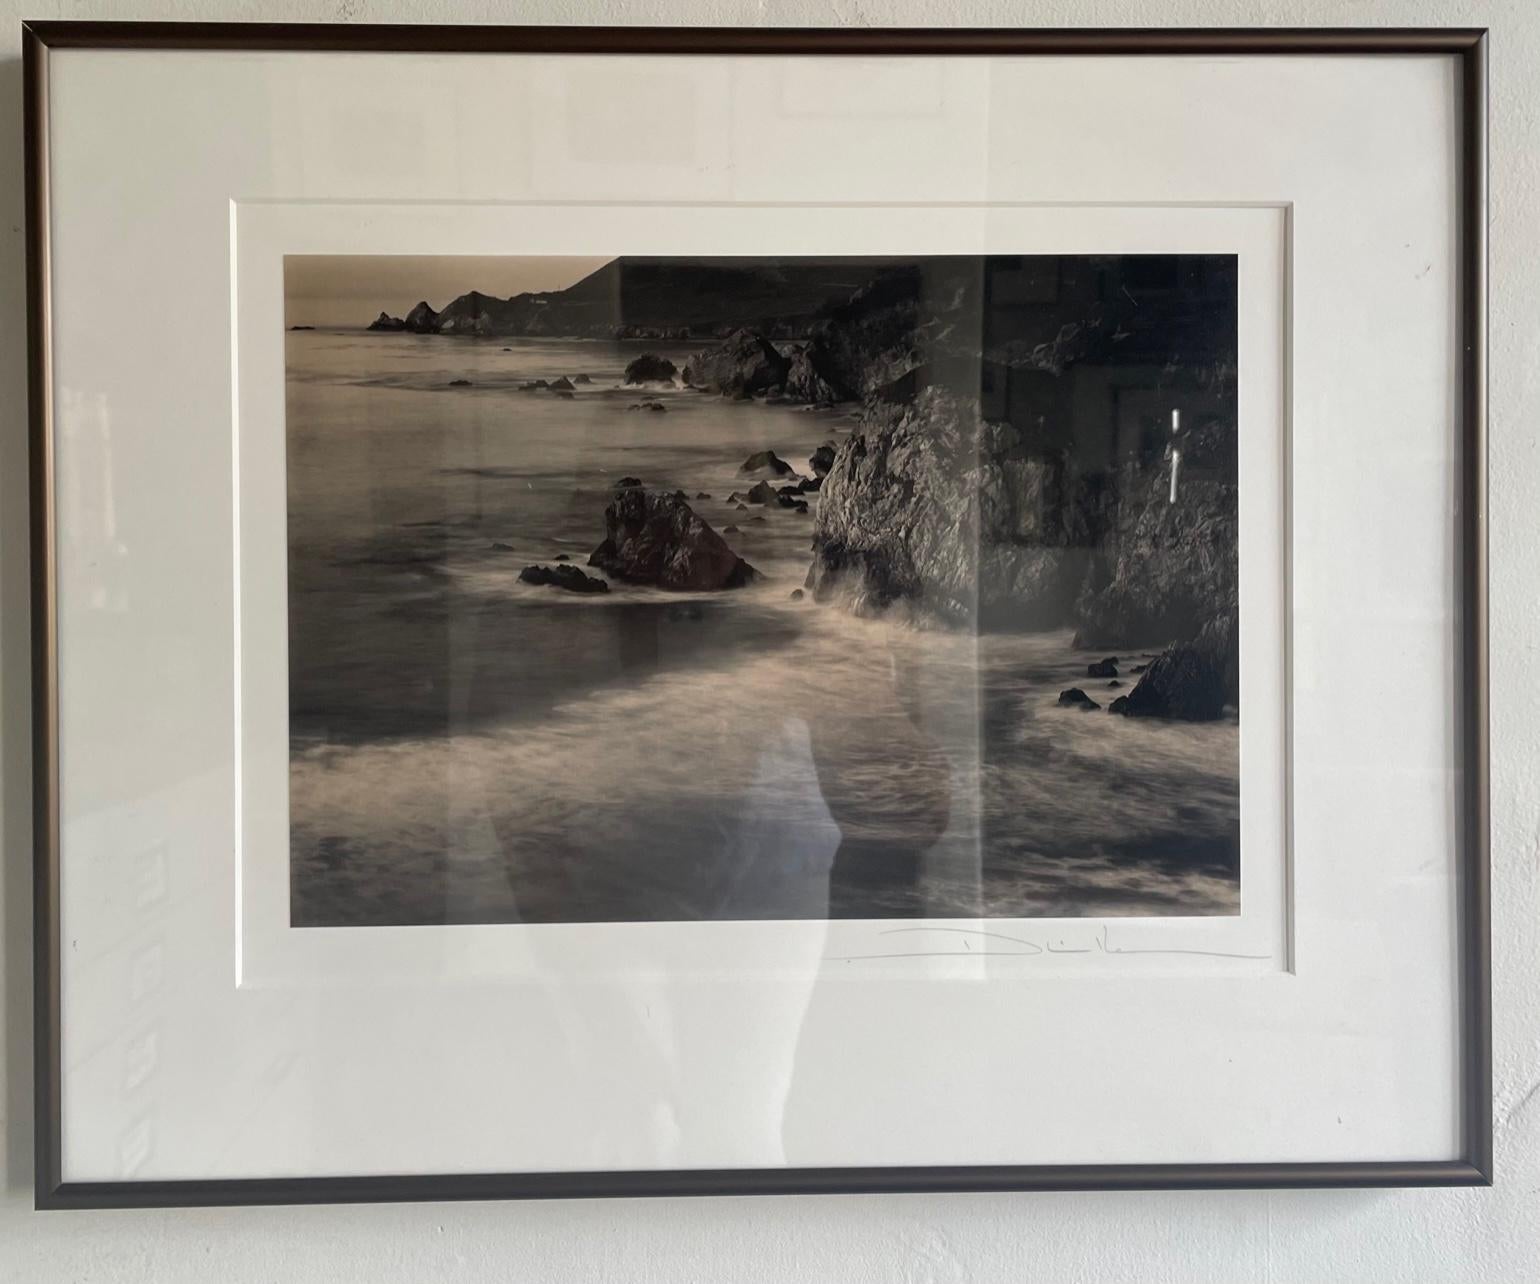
[1487, 1235]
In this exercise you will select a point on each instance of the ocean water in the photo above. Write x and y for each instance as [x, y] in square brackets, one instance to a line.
[468, 748]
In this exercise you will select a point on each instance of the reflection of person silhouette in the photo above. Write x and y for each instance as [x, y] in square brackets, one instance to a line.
[886, 783]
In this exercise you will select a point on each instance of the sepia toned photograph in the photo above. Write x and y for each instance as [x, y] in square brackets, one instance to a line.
[678, 589]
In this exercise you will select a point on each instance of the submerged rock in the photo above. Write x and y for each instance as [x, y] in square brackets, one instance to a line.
[577, 378]
[1075, 698]
[651, 368]
[700, 494]
[658, 539]
[1107, 668]
[1185, 682]
[563, 577]
[796, 595]
[562, 557]
[459, 383]
[498, 547]
[561, 385]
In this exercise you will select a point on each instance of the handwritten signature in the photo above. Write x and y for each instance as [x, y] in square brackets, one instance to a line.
[1100, 944]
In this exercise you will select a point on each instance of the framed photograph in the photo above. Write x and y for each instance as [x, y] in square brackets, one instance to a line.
[643, 611]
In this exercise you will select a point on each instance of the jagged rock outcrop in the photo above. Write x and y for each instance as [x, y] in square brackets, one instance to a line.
[745, 364]
[822, 459]
[803, 382]
[564, 577]
[933, 506]
[387, 322]
[1164, 572]
[1186, 682]
[651, 368]
[422, 319]
[766, 461]
[658, 539]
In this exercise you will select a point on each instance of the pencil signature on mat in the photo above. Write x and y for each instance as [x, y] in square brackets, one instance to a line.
[1025, 947]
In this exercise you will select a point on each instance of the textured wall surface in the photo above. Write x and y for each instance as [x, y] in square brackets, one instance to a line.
[1487, 1235]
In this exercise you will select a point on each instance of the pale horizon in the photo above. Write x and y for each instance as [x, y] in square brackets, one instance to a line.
[353, 289]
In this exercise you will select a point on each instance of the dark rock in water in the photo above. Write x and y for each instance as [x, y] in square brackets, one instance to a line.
[700, 494]
[822, 459]
[788, 492]
[752, 520]
[731, 530]
[1139, 668]
[563, 577]
[811, 485]
[507, 349]
[459, 383]
[762, 493]
[422, 319]
[744, 364]
[562, 557]
[1185, 682]
[1107, 668]
[651, 368]
[734, 498]
[805, 381]
[1075, 698]
[561, 385]
[577, 378]
[387, 322]
[564, 392]
[1120, 705]
[658, 539]
[796, 595]
[626, 482]
[533, 385]
[1114, 683]
[741, 507]
[789, 501]
[501, 548]
[311, 327]
[766, 461]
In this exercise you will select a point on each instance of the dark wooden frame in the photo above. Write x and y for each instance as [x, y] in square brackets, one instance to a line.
[1473, 1168]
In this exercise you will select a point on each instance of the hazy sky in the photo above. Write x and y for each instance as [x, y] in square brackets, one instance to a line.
[353, 289]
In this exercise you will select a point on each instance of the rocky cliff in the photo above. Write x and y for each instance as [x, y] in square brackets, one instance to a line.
[932, 506]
